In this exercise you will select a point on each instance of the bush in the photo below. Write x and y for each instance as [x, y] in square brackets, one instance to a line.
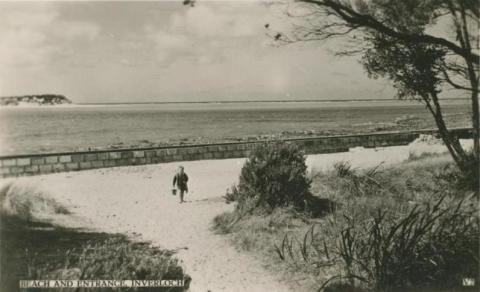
[275, 175]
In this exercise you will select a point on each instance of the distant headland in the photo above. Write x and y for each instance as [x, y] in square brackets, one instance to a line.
[34, 100]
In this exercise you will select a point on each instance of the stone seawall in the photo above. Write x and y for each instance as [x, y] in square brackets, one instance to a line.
[34, 164]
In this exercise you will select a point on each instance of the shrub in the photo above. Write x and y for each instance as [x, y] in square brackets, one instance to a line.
[274, 175]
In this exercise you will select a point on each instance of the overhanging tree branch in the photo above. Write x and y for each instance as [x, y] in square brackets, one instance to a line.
[349, 15]
[454, 84]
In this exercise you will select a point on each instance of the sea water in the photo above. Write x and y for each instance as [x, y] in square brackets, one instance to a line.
[82, 127]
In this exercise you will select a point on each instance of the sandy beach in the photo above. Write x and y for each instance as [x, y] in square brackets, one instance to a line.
[137, 201]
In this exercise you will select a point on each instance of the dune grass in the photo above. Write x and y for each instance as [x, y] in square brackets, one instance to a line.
[409, 227]
[33, 248]
[26, 202]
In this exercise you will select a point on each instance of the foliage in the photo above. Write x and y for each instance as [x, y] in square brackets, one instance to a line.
[26, 202]
[232, 195]
[414, 68]
[275, 175]
[412, 229]
[222, 223]
[33, 249]
[41, 99]
[393, 37]
[413, 221]
[429, 247]
[115, 258]
[357, 184]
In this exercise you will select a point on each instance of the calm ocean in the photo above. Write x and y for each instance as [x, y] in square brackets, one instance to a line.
[77, 127]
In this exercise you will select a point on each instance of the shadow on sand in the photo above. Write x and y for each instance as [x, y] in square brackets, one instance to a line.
[29, 247]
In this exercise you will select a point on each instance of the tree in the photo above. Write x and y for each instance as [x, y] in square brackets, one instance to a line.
[393, 40]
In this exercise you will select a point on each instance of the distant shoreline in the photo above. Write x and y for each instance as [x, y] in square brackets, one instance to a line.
[257, 101]
[34, 100]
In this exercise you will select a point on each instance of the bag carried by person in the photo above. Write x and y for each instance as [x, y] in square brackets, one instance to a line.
[174, 192]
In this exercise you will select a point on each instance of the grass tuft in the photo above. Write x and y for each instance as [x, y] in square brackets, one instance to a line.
[26, 202]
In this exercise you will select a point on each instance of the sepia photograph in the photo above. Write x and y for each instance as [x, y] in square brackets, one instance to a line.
[239, 146]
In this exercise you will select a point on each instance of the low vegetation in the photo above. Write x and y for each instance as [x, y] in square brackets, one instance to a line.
[33, 248]
[110, 257]
[275, 176]
[410, 227]
[24, 202]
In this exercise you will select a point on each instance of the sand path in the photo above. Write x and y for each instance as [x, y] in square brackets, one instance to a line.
[136, 201]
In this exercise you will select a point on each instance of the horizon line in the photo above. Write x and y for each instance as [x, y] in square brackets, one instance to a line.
[256, 101]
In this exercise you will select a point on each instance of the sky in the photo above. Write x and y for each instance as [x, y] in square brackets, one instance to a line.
[165, 51]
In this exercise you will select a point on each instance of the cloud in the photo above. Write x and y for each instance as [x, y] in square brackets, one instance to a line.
[33, 35]
[167, 43]
[120, 51]
[70, 30]
[210, 32]
[218, 21]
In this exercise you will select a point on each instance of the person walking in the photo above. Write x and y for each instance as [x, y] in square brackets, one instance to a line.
[180, 182]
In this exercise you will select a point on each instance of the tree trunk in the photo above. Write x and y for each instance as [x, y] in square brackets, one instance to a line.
[476, 124]
[475, 164]
[476, 142]
[472, 69]
[443, 127]
[452, 143]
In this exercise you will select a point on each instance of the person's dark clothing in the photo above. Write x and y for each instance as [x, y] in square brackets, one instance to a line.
[180, 180]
